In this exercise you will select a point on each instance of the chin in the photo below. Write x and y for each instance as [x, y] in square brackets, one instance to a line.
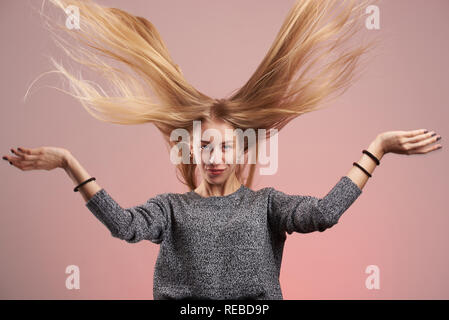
[216, 180]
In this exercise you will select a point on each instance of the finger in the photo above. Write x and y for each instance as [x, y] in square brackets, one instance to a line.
[16, 152]
[11, 158]
[420, 137]
[7, 158]
[23, 155]
[23, 164]
[427, 149]
[28, 150]
[423, 142]
[413, 133]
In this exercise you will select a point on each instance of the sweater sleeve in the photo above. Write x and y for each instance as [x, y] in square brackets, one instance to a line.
[147, 221]
[304, 214]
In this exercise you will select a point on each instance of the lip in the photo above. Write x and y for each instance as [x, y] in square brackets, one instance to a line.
[215, 172]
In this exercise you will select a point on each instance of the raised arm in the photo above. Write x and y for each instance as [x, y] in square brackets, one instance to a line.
[147, 221]
[78, 174]
[304, 213]
[399, 142]
[143, 222]
[296, 213]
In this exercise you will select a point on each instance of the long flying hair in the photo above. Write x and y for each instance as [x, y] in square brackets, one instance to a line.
[308, 63]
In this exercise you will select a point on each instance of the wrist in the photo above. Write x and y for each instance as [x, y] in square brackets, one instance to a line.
[376, 148]
[66, 160]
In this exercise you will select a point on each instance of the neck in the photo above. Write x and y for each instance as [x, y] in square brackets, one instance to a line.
[207, 189]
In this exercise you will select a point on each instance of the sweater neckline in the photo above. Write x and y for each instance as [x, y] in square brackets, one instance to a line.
[228, 196]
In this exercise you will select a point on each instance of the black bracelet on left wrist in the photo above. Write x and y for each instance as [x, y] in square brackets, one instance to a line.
[371, 156]
[83, 183]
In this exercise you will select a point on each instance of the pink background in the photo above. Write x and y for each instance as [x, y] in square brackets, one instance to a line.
[399, 223]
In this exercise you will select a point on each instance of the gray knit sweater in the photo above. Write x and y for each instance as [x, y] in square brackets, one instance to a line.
[221, 247]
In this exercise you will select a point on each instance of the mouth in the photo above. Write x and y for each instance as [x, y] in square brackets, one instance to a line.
[215, 172]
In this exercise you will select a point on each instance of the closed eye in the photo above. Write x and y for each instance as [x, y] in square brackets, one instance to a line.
[202, 147]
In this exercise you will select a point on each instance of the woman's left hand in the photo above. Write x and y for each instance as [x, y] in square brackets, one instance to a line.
[409, 142]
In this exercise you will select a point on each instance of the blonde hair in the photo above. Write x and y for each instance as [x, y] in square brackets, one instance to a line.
[288, 82]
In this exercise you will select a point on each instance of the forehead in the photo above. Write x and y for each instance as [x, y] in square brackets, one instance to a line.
[216, 124]
[224, 129]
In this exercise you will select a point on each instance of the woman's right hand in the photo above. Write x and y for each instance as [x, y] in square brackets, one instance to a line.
[42, 158]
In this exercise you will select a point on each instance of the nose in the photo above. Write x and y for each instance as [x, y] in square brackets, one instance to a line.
[215, 157]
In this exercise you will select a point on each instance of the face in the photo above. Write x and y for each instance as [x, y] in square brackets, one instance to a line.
[217, 154]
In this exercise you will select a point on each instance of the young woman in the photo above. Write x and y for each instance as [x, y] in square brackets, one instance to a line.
[221, 239]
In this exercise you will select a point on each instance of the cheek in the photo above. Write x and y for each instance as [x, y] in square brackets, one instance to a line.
[230, 156]
[199, 158]
[231, 168]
